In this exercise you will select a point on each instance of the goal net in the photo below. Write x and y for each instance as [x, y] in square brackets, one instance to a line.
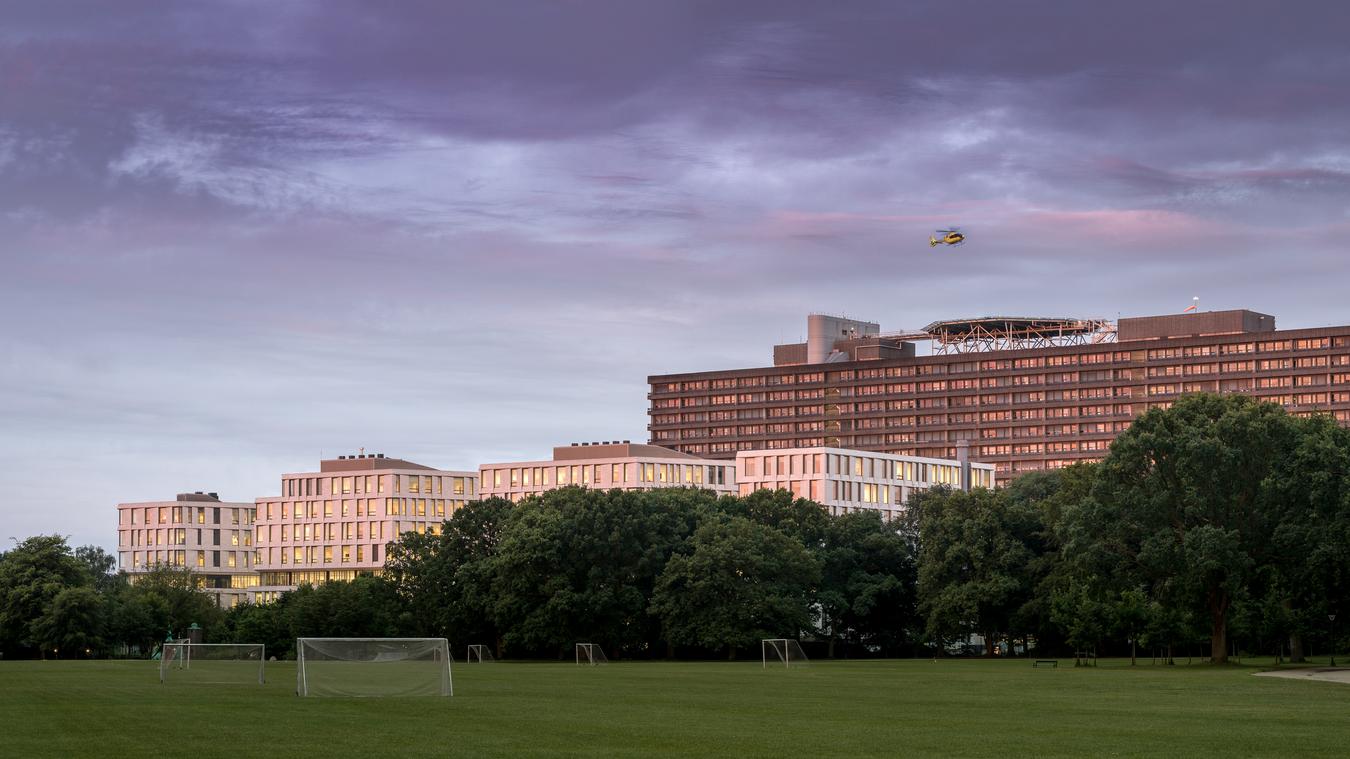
[373, 667]
[784, 651]
[590, 654]
[478, 654]
[213, 663]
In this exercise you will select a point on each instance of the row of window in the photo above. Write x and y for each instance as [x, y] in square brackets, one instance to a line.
[1005, 364]
[307, 577]
[323, 531]
[426, 484]
[206, 515]
[611, 475]
[324, 554]
[911, 370]
[178, 536]
[201, 559]
[359, 507]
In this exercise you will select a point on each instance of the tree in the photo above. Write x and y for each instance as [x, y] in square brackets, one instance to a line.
[975, 552]
[365, 607]
[741, 582]
[32, 575]
[172, 599]
[579, 564]
[73, 623]
[1053, 496]
[102, 566]
[867, 581]
[1308, 576]
[136, 620]
[1184, 496]
[446, 579]
[806, 521]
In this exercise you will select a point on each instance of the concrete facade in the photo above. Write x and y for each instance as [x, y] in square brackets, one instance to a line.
[195, 531]
[845, 481]
[606, 465]
[1020, 409]
[334, 524]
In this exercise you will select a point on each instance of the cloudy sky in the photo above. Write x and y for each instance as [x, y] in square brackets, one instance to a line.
[238, 235]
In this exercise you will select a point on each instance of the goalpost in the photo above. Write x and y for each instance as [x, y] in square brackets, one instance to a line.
[213, 663]
[590, 654]
[373, 667]
[785, 650]
[477, 654]
[173, 654]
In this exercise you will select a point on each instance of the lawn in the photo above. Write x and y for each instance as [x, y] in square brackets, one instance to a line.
[833, 709]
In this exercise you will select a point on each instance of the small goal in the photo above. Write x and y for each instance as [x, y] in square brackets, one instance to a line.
[213, 663]
[478, 654]
[373, 667]
[784, 651]
[590, 654]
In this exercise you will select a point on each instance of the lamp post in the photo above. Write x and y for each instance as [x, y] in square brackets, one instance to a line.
[1332, 619]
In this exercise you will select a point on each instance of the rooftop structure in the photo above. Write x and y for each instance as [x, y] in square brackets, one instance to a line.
[335, 523]
[993, 333]
[195, 531]
[606, 465]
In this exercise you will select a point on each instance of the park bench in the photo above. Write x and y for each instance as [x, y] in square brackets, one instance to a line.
[1048, 662]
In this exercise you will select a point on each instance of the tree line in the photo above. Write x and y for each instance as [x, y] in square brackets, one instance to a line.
[1220, 523]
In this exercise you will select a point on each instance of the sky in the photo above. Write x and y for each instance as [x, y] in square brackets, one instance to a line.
[239, 236]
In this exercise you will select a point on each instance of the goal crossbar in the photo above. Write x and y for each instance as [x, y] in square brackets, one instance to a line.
[786, 651]
[215, 663]
[373, 667]
[590, 654]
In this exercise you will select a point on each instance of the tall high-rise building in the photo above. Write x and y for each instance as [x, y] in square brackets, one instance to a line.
[606, 465]
[335, 523]
[1025, 393]
[195, 531]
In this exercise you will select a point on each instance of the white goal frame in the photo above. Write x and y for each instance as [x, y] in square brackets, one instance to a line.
[786, 650]
[590, 654]
[441, 647]
[178, 655]
[477, 653]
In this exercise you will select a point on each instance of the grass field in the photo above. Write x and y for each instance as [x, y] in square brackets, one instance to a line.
[833, 709]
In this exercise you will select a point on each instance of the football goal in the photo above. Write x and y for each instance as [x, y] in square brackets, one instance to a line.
[590, 654]
[783, 651]
[213, 663]
[373, 667]
[477, 654]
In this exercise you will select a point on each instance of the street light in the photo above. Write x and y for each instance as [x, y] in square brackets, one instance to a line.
[1332, 619]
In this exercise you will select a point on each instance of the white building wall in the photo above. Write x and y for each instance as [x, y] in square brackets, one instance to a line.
[516, 480]
[214, 539]
[845, 480]
[332, 525]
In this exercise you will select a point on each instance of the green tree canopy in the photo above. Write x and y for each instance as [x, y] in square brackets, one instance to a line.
[32, 575]
[975, 555]
[1186, 498]
[576, 564]
[739, 583]
[867, 581]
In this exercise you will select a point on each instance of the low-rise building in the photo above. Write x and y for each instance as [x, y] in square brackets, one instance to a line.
[195, 531]
[845, 480]
[334, 524]
[606, 465]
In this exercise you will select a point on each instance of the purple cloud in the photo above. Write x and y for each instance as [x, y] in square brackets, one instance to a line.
[236, 235]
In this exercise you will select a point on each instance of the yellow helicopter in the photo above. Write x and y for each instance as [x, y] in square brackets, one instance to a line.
[951, 236]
